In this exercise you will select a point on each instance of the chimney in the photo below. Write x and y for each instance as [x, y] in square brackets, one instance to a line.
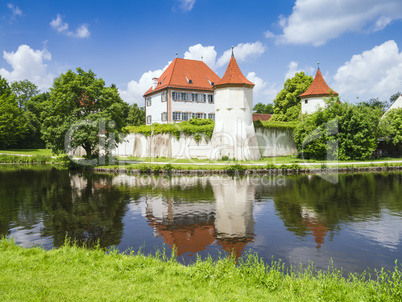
[154, 83]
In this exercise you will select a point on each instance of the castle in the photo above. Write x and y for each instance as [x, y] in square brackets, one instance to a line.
[190, 89]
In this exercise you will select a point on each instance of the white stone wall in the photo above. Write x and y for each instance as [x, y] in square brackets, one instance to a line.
[274, 142]
[271, 142]
[312, 104]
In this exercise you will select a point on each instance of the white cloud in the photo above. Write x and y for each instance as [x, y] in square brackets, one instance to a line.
[263, 91]
[242, 52]
[15, 10]
[318, 21]
[28, 64]
[81, 32]
[293, 68]
[269, 34]
[186, 5]
[374, 73]
[197, 51]
[136, 89]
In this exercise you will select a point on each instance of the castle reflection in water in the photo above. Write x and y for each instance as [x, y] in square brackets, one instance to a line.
[221, 214]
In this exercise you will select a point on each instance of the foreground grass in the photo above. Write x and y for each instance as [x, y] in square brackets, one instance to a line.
[71, 273]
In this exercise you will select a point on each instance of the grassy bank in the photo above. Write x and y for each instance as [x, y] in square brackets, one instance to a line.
[77, 274]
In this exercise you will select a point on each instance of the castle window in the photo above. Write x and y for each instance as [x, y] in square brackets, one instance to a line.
[194, 95]
[149, 119]
[199, 115]
[177, 116]
[211, 116]
[210, 99]
[186, 116]
[164, 96]
[149, 102]
[176, 96]
[164, 116]
[305, 101]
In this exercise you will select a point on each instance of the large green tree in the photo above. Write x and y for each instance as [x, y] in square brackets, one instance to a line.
[340, 131]
[136, 115]
[24, 90]
[287, 102]
[12, 122]
[83, 112]
[261, 108]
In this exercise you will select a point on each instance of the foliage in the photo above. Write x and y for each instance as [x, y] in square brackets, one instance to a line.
[82, 112]
[194, 127]
[340, 131]
[136, 115]
[374, 103]
[275, 125]
[391, 126]
[24, 90]
[12, 123]
[261, 108]
[4, 87]
[287, 102]
[236, 168]
[395, 96]
[94, 274]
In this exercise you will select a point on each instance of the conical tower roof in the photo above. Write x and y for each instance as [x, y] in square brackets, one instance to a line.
[233, 76]
[318, 87]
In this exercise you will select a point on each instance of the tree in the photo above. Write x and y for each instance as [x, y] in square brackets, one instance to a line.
[374, 103]
[391, 126]
[395, 96]
[82, 112]
[353, 129]
[287, 101]
[24, 90]
[261, 108]
[12, 122]
[4, 87]
[136, 115]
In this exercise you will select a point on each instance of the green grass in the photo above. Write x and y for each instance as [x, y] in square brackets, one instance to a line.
[71, 273]
[44, 152]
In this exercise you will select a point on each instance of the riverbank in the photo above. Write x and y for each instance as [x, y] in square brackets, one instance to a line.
[71, 273]
[275, 166]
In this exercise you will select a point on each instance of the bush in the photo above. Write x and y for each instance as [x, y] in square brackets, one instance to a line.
[236, 168]
[195, 127]
[340, 131]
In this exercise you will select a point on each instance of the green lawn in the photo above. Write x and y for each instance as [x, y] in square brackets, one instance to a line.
[78, 274]
[44, 152]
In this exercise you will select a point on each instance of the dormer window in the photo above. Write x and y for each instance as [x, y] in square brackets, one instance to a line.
[189, 81]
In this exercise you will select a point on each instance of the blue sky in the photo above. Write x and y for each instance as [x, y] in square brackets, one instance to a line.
[357, 42]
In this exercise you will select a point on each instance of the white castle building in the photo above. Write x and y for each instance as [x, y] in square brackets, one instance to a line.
[315, 95]
[183, 91]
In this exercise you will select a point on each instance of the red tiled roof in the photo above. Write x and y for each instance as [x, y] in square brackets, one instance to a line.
[261, 117]
[186, 74]
[318, 87]
[233, 76]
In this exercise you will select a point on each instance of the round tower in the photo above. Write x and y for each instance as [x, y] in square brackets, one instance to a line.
[315, 95]
[234, 135]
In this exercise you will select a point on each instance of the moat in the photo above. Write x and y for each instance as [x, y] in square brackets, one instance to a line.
[356, 221]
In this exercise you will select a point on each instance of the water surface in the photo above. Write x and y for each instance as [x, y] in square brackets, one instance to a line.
[356, 222]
